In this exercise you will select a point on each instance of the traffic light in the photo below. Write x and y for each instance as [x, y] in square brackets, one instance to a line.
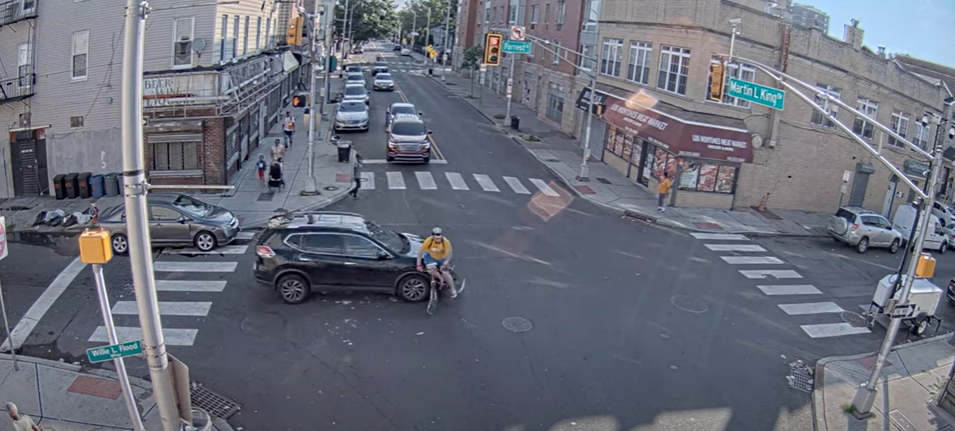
[492, 49]
[293, 35]
[717, 71]
[598, 110]
[300, 100]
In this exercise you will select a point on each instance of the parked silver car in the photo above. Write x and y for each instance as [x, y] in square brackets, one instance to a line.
[352, 115]
[355, 78]
[175, 220]
[355, 92]
[383, 82]
[862, 229]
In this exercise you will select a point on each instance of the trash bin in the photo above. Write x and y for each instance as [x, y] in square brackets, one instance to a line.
[58, 185]
[83, 183]
[96, 186]
[515, 122]
[344, 151]
[111, 184]
[71, 186]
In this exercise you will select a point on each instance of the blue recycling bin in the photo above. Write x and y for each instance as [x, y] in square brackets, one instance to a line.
[97, 189]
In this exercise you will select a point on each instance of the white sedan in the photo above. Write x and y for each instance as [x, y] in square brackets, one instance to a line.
[383, 82]
[406, 52]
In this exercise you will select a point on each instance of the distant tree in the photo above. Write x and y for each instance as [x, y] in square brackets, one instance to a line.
[370, 18]
[473, 56]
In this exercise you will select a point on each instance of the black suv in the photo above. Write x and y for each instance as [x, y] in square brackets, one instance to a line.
[301, 252]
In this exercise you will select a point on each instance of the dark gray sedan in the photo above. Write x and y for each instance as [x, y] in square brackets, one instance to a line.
[175, 220]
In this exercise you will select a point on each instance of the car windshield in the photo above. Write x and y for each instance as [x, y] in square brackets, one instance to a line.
[355, 78]
[383, 77]
[403, 110]
[408, 129]
[192, 206]
[352, 107]
[354, 91]
[389, 238]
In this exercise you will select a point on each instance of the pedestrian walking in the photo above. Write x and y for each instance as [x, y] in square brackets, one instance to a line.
[260, 167]
[356, 175]
[288, 125]
[663, 189]
[277, 152]
[21, 422]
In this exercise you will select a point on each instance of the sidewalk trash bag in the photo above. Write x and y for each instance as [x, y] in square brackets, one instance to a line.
[40, 218]
[69, 221]
[82, 217]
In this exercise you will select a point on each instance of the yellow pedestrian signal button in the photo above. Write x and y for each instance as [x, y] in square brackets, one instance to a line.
[926, 266]
[94, 247]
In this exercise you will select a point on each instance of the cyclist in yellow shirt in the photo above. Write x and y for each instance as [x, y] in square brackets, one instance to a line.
[436, 249]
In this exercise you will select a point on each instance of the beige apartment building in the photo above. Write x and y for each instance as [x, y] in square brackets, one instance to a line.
[654, 68]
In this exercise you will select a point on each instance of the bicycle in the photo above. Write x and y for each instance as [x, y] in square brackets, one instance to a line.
[438, 283]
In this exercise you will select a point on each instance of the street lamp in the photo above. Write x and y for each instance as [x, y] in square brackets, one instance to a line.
[447, 46]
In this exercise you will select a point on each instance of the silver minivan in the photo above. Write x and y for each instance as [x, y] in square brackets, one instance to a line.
[861, 228]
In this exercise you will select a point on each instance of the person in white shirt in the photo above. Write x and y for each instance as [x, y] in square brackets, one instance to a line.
[21, 422]
[288, 125]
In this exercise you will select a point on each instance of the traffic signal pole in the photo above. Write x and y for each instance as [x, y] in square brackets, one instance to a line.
[510, 85]
[311, 188]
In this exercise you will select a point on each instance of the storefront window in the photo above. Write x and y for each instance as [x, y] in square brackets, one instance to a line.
[725, 179]
[707, 177]
[663, 161]
[691, 171]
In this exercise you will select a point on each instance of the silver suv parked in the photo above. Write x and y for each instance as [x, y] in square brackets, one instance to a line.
[862, 229]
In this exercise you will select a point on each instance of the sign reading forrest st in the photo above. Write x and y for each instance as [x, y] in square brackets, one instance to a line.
[766, 96]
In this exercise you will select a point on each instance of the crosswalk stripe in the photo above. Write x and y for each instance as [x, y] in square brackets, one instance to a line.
[190, 285]
[719, 236]
[426, 181]
[229, 249]
[810, 308]
[751, 260]
[170, 266]
[775, 273]
[789, 289]
[485, 182]
[832, 330]
[543, 187]
[172, 336]
[516, 185]
[395, 180]
[245, 235]
[456, 180]
[735, 247]
[187, 308]
[368, 180]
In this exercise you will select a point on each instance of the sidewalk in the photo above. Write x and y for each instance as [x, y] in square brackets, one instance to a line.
[914, 373]
[563, 155]
[250, 200]
[63, 397]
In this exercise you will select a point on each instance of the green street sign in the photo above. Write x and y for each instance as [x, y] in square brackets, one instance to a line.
[115, 351]
[515, 47]
[761, 94]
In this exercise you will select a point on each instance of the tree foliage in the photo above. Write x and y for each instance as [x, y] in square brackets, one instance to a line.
[370, 18]
[437, 9]
[472, 57]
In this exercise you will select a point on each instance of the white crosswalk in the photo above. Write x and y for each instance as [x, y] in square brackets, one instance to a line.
[735, 244]
[426, 180]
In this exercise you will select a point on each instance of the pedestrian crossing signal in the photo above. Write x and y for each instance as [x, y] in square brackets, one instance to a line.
[492, 49]
[299, 101]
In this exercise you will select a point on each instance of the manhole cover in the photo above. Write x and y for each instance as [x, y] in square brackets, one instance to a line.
[689, 304]
[331, 188]
[517, 324]
[854, 319]
[213, 403]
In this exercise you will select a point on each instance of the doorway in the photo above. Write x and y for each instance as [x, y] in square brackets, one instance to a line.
[28, 161]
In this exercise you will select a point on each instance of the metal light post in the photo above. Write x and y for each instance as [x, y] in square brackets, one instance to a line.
[345, 30]
[134, 192]
[414, 25]
[584, 174]
[328, 26]
[311, 188]
[447, 47]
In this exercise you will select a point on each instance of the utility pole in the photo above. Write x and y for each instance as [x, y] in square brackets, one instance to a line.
[584, 169]
[510, 85]
[414, 25]
[345, 30]
[311, 188]
[447, 47]
[134, 192]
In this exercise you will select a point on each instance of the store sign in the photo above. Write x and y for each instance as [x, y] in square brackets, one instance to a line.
[583, 99]
[688, 140]
[180, 90]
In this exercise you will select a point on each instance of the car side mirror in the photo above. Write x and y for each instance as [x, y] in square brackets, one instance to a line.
[382, 255]
[430, 132]
[181, 219]
[421, 114]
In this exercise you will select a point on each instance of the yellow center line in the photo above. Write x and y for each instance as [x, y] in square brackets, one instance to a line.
[434, 145]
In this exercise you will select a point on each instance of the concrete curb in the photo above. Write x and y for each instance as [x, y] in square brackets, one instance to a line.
[818, 395]
[310, 207]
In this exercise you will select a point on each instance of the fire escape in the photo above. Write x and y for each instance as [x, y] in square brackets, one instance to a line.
[20, 85]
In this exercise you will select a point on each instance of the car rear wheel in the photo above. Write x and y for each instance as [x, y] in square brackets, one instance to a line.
[413, 288]
[120, 244]
[863, 245]
[894, 247]
[293, 289]
[942, 248]
[205, 241]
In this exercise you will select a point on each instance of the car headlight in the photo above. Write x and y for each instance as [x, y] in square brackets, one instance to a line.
[426, 145]
[392, 144]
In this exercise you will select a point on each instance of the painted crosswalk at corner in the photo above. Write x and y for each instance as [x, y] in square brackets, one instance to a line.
[172, 336]
[427, 180]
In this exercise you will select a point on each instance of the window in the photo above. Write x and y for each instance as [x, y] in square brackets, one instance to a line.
[674, 68]
[512, 8]
[158, 213]
[555, 57]
[235, 36]
[546, 13]
[24, 61]
[833, 109]
[268, 30]
[76, 121]
[560, 13]
[586, 60]
[223, 36]
[356, 246]
[182, 42]
[591, 15]
[921, 136]
[610, 61]
[245, 37]
[535, 11]
[900, 125]
[258, 33]
[321, 243]
[81, 47]
[706, 177]
[860, 126]
[638, 66]
[744, 72]
[27, 6]
[555, 103]
[176, 156]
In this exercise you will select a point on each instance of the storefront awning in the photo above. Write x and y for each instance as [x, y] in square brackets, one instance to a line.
[681, 132]
[289, 63]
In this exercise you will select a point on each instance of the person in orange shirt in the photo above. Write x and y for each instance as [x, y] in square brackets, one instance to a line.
[662, 190]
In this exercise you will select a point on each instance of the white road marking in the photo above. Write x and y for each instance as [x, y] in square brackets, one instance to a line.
[167, 308]
[751, 260]
[190, 285]
[719, 236]
[28, 323]
[832, 330]
[775, 273]
[456, 180]
[385, 162]
[485, 182]
[368, 180]
[229, 249]
[425, 181]
[789, 289]
[543, 187]
[395, 180]
[172, 336]
[516, 185]
[168, 266]
[245, 235]
[735, 247]
[810, 308]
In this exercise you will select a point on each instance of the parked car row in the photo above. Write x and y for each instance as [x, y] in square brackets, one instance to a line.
[863, 229]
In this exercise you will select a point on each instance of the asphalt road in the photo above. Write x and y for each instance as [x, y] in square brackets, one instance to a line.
[625, 326]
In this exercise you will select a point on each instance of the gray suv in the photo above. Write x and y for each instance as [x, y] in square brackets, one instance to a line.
[862, 229]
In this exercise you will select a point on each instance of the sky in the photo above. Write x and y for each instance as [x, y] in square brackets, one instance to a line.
[920, 28]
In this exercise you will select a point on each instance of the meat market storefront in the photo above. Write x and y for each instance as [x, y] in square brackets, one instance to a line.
[702, 158]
